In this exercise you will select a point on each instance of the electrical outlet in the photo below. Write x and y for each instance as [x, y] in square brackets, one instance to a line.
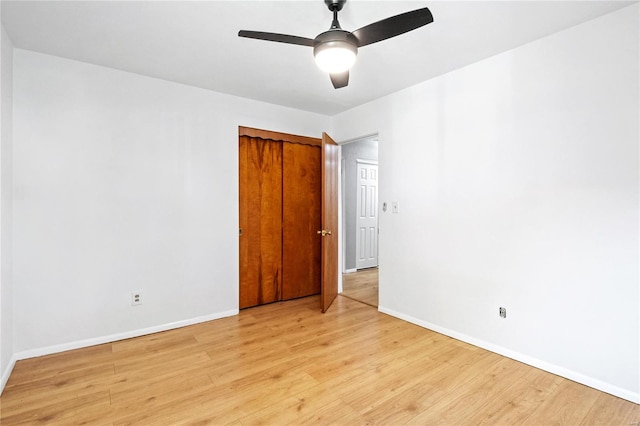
[136, 298]
[503, 312]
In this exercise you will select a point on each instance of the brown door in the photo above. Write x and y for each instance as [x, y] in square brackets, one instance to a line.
[280, 205]
[330, 159]
[260, 221]
[301, 219]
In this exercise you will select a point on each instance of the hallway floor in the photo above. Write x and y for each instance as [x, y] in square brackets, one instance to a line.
[361, 286]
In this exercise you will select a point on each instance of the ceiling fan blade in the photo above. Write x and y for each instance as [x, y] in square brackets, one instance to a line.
[281, 38]
[393, 26]
[340, 79]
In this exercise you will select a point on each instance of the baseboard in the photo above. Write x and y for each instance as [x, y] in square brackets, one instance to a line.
[350, 271]
[32, 353]
[6, 373]
[526, 359]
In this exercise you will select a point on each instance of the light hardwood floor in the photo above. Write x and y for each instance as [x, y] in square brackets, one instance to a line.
[361, 286]
[286, 363]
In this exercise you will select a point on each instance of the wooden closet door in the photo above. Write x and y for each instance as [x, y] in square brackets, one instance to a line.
[260, 221]
[302, 211]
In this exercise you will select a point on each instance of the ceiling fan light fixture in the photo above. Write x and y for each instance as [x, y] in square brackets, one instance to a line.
[335, 50]
[335, 56]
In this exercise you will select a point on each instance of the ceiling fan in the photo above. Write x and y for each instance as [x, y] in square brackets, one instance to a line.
[335, 50]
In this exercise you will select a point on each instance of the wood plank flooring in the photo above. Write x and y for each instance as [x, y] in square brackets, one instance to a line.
[286, 363]
[361, 286]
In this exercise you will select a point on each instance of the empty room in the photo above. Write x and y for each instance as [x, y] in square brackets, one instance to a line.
[175, 223]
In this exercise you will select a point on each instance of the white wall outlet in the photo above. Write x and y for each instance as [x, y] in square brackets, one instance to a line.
[502, 312]
[136, 298]
[395, 207]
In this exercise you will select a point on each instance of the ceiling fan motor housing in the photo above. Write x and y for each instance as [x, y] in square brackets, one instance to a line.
[335, 39]
[335, 5]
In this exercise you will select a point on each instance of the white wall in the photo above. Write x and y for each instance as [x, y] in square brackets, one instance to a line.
[518, 182]
[121, 183]
[6, 293]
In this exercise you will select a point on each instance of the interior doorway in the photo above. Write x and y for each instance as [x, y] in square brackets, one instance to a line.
[359, 168]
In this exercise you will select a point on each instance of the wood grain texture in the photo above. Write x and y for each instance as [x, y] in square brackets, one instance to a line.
[361, 286]
[278, 136]
[280, 211]
[287, 363]
[329, 274]
[260, 204]
[301, 244]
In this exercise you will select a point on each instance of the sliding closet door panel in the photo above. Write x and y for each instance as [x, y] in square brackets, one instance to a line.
[302, 190]
[260, 221]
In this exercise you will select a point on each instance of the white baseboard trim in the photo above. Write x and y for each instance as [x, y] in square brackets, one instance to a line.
[534, 362]
[32, 353]
[7, 372]
[350, 271]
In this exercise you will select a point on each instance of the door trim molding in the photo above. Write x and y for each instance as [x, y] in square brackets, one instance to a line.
[370, 162]
[278, 136]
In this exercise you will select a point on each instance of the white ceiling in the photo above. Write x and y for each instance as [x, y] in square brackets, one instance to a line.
[196, 42]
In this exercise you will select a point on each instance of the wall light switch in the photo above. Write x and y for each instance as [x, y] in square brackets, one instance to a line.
[395, 207]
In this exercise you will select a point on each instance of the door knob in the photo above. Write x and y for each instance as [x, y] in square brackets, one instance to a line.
[324, 233]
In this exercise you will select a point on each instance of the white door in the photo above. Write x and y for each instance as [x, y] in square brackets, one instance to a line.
[367, 211]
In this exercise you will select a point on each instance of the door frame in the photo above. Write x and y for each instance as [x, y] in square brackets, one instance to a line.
[279, 138]
[305, 140]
